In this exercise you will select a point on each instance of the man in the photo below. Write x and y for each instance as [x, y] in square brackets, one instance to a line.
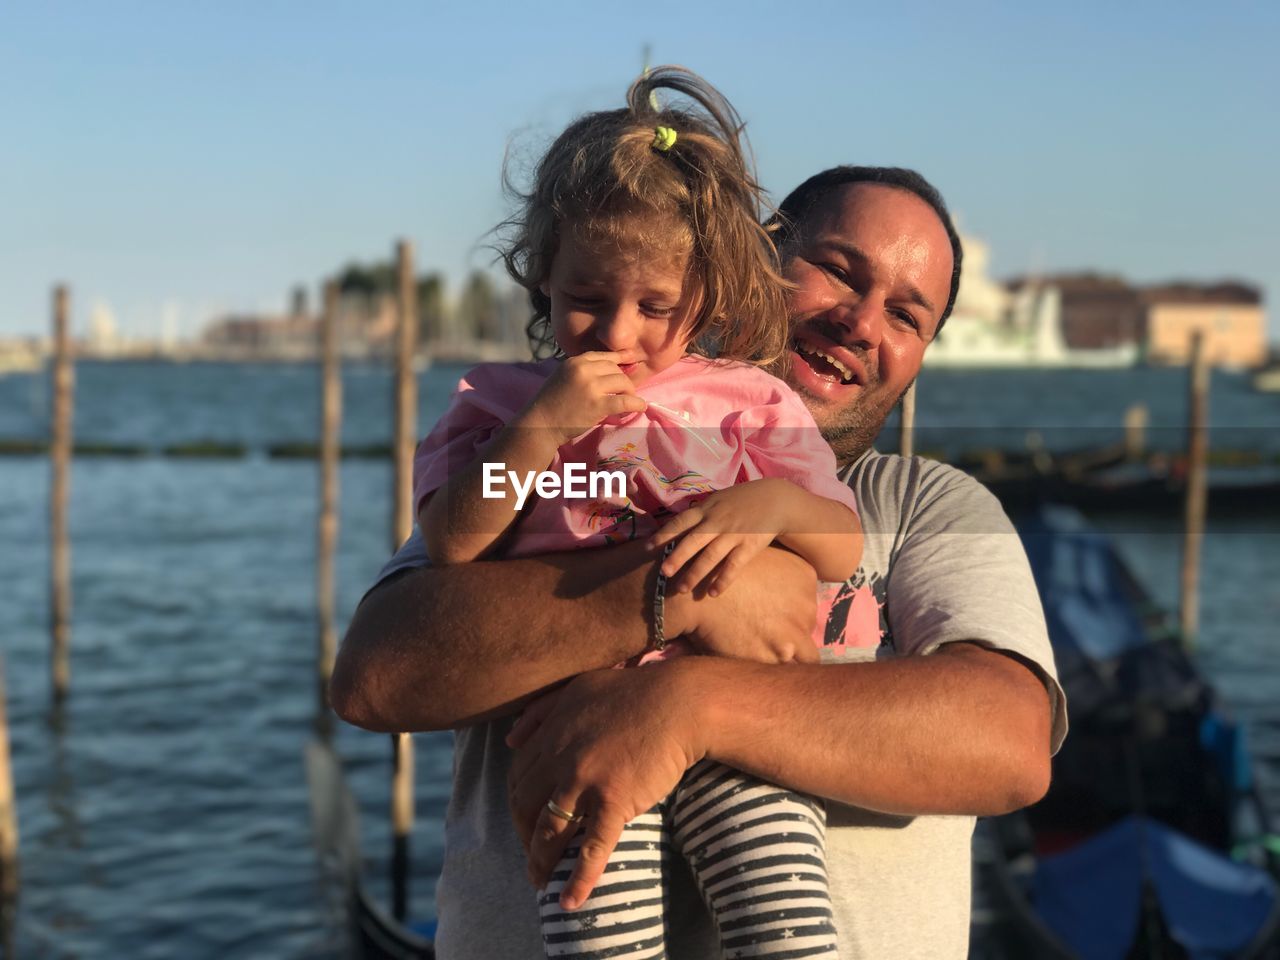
[955, 714]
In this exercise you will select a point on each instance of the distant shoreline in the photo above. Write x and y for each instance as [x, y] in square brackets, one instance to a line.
[470, 353]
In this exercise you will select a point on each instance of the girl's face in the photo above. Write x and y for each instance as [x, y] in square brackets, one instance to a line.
[618, 300]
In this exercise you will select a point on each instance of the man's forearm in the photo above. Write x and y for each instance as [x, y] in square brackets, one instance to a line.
[964, 730]
[445, 647]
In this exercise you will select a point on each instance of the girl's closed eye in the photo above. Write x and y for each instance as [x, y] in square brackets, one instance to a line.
[655, 310]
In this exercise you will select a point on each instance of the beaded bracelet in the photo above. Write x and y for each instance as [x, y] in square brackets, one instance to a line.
[660, 602]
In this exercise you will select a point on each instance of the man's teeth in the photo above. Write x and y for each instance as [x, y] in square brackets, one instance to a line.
[846, 375]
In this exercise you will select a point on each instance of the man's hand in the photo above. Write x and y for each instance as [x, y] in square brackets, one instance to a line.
[609, 745]
[770, 618]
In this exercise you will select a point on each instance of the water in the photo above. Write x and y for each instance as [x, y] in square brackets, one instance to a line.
[159, 405]
[164, 813]
[1071, 409]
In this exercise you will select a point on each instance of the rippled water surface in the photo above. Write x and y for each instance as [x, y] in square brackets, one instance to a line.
[164, 813]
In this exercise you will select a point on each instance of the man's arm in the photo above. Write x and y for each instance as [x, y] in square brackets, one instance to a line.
[444, 647]
[964, 730]
[448, 647]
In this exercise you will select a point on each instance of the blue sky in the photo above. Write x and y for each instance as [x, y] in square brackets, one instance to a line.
[189, 158]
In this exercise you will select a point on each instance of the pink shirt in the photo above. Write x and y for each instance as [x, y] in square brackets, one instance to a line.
[709, 425]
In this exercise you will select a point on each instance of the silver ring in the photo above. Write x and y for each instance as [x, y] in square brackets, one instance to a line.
[558, 811]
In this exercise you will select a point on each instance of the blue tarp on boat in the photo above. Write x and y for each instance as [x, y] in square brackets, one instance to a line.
[1106, 656]
[1082, 584]
[1090, 896]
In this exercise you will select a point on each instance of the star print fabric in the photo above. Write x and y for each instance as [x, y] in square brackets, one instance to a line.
[757, 855]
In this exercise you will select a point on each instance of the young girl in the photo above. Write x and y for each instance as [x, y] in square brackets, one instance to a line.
[641, 249]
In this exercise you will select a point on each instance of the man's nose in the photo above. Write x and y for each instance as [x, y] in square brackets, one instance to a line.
[862, 320]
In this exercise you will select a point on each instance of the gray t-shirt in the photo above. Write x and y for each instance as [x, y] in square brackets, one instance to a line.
[941, 563]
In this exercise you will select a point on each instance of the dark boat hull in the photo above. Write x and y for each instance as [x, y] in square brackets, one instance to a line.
[372, 933]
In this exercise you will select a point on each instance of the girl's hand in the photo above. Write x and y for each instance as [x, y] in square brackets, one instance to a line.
[721, 534]
[582, 392]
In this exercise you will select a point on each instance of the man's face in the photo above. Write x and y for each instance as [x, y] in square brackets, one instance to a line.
[872, 267]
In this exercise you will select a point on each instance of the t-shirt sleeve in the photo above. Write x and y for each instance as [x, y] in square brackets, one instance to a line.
[781, 440]
[411, 556]
[484, 400]
[960, 573]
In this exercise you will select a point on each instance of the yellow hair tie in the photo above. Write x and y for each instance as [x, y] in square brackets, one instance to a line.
[664, 138]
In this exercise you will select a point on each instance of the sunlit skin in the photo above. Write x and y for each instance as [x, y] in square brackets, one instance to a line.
[872, 267]
[615, 301]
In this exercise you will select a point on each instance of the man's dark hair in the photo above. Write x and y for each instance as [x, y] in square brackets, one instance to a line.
[800, 201]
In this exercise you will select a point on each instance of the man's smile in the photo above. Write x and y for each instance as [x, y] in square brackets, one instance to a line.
[825, 361]
[821, 365]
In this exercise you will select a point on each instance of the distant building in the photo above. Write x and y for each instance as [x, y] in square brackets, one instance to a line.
[365, 326]
[514, 312]
[1011, 325]
[255, 336]
[1098, 312]
[1229, 315]
[1105, 312]
[979, 295]
[22, 355]
[104, 333]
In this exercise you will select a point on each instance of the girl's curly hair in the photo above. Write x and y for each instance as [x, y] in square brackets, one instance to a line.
[605, 179]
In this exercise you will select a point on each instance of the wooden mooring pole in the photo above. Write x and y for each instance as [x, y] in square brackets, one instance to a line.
[406, 408]
[327, 527]
[1197, 488]
[60, 463]
[1135, 431]
[8, 810]
[907, 423]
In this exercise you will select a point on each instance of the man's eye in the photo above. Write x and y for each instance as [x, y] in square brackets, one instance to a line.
[831, 270]
[907, 318]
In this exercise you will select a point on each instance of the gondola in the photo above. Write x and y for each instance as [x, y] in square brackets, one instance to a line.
[1152, 841]
[372, 933]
